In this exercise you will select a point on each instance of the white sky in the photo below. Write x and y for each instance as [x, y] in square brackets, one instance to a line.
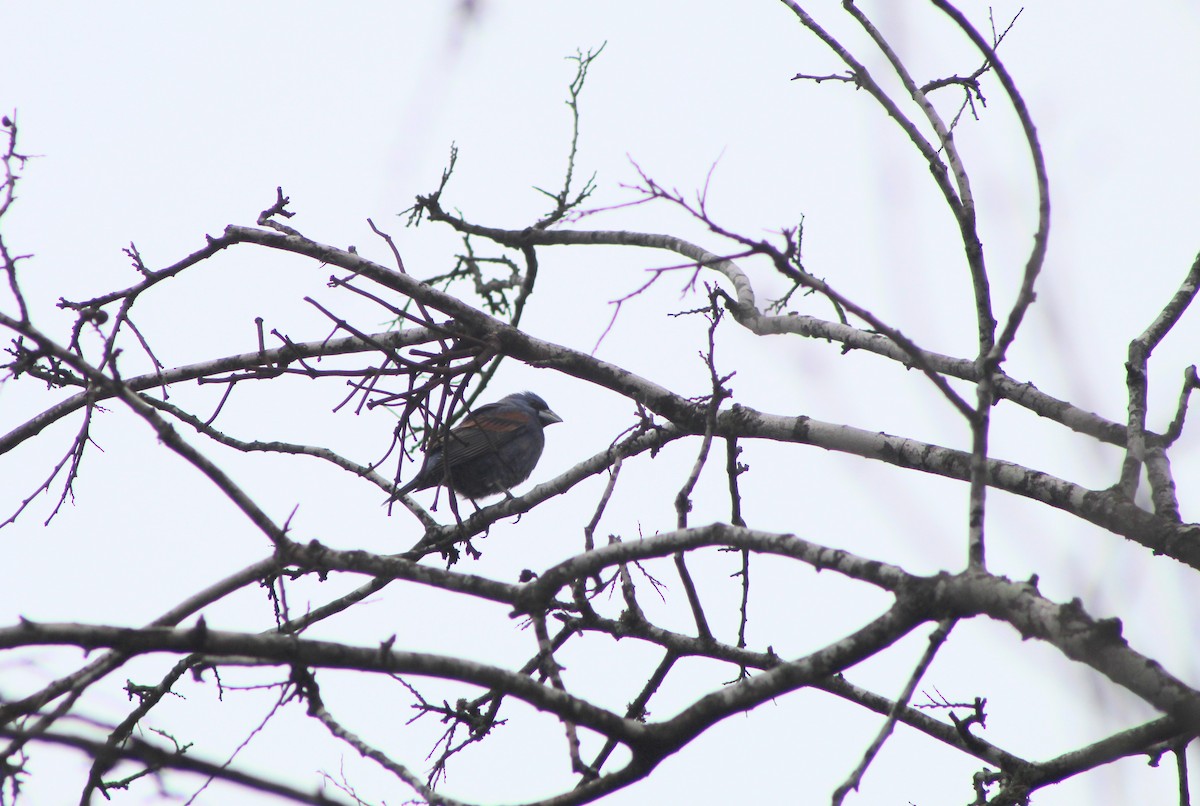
[158, 123]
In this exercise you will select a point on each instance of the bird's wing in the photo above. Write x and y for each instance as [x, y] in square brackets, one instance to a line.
[488, 428]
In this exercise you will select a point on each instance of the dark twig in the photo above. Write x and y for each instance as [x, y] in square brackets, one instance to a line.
[936, 640]
[1181, 769]
[733, 469]
[1191, 381]
[637, 708]
[563, 202]
[683, 503]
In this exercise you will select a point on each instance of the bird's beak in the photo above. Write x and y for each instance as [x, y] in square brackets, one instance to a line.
[548, 417]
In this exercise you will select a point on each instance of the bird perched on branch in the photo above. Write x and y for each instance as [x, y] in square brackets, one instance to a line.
[493, 449]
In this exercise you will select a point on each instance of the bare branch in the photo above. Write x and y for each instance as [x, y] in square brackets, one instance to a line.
[159, 758]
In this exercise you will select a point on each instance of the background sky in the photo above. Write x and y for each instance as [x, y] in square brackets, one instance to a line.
[157, 124]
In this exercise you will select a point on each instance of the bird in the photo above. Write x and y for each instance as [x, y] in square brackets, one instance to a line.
[491, 451]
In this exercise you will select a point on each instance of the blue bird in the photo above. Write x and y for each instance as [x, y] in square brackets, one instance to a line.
[492, 450]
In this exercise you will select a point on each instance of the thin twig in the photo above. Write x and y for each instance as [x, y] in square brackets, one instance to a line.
[936, 640]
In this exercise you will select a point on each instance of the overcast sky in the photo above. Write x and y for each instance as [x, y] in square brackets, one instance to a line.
[159, 123]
